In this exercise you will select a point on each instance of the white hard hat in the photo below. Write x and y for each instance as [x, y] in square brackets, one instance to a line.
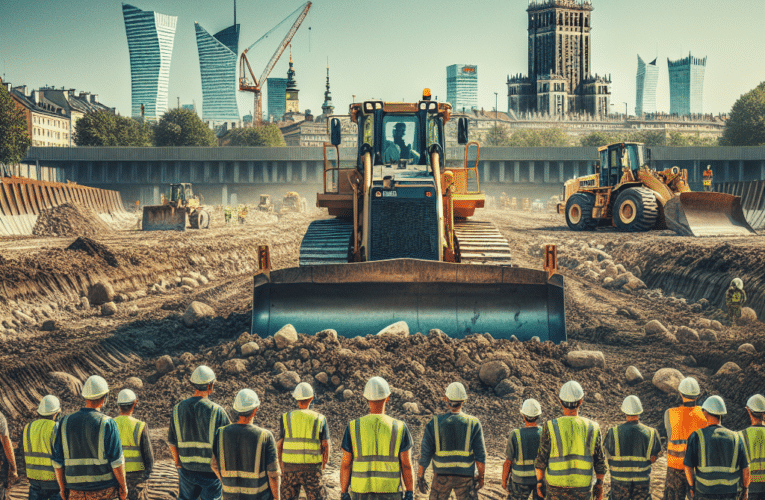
[571, 392]
[714, 405]
[303, 391]
[737, 283]
[376, 389]
[531, 408]
[94, 387]
[246, 401]
[632, 406]
[756, 403]
[49, 405]
[456, 392]
[202, 375]
[689, 387]
[125, 397]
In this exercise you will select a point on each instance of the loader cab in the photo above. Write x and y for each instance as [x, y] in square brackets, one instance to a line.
[616, 159]
[181, 193]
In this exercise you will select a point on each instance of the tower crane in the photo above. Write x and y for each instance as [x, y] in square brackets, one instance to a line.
[248, 83]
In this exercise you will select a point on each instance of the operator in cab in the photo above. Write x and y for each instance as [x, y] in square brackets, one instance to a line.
[397, 149]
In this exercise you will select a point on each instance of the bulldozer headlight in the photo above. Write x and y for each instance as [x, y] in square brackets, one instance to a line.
[428, 194]
[378, 194]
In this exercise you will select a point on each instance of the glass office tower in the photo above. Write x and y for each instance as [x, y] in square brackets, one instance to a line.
[462, 87]
[647, 78]
[218, 64]
[686, 85]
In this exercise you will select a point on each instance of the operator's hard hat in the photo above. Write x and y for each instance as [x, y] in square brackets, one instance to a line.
[202, 375]
[125, 397]
[737, 283]
[689, 388]
[632, 406]
[531, 408]
[756, 403]
[94, 387]
[714, 405]
[303, 391]
[49, 405]
[376, 389]
[456, 392]
[571, 392]
[246, 401]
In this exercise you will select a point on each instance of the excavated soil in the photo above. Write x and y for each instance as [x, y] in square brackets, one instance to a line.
[156, 275]
[70, 219]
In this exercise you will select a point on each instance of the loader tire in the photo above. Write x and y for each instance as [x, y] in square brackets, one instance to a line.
[204, 219]
[579, 212]
[635, 210]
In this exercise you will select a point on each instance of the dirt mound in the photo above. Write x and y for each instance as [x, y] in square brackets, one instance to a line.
[95, 249]
[70, 219]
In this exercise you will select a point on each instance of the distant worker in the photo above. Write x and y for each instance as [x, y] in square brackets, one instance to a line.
[376, 452]
[244, 454]
[87, 455]
[518, 476]
[632, 447]
[190, 436]
[754, 442]
[136, 446]
[679, 423]
[38, 438]
[735, 299]
[715, 462]
[454, 442]
[227, 214]
[303, 448]
[570, 452]
[708, 178]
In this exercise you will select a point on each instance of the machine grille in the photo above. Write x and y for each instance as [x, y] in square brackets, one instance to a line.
[403, 228]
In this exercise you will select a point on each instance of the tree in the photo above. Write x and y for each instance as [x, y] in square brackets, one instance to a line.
[102, 128]
[497, 136]
[746, 125]
[183, 127]
[267, 135]
[551, 137]
[14, 136]
[597, 139]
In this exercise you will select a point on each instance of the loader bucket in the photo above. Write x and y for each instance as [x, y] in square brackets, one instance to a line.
[363, 298]
[163, 218]
[706, 214]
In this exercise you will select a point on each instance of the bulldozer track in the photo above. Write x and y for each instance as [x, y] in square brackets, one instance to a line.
[326, 242]
[481, 243]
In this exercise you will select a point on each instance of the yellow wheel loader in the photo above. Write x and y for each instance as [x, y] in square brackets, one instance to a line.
[180, 212]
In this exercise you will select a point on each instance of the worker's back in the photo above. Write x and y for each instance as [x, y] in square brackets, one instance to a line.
[454, 434]
[680, 422]
[376, 441]
[244, 452]
[194, 422]
[573, 440]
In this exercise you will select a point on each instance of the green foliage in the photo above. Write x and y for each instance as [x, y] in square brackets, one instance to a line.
[647, 137]
[183, 127]
[535, 138]
[496, 136]
[267, 135]
[102, 128]
[597, 139]
[746, 125]
[14, 136]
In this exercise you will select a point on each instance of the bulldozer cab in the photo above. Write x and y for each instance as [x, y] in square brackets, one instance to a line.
[180, 194]
[618, 160]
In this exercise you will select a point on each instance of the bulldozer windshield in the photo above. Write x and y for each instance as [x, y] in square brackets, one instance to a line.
[401, 136]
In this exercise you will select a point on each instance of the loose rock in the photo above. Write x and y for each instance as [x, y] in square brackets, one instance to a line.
[400, 329]
[717, 326]
[493, 372]
[249, 349]
[347, 395]
[287, 380]
[48, 326]
[196, 313]
[685, 335]
[164, 364]
[667, 380]
[108, 309]
[234, 366]
[190, 282]
[100, 293]
[655, 327]
[66, 382]
[729, 368]
[134, 383]
[748, 316]
[633, 375]
[507, 386]
[585, 359]
[412, 408]
[286, 336]
[322, 377]
[708, 335]
[747, 348]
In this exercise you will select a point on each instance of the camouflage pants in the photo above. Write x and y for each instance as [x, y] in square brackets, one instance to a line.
[106, 494]
[137, 486]
[676, 487]
[310, 480]
[759, 495]
[629, 491]
[443, 485]
[554, 493]
[519, 491]
[734, 313]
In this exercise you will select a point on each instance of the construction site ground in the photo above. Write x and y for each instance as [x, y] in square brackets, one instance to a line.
[44, 280]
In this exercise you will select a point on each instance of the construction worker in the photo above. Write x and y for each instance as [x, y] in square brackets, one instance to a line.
[190, 436]
[303, 448]
[735, 299]
[136, 446]
[8, 472]
[376, 452]
[708, 178]
[518, 476]
[454, 442]
[632, 447]
[87, 455]
[244, 455]
[227, 214]
[715, 461]
[754, 439]
[38, 438]
[679, 423]
[570, 452]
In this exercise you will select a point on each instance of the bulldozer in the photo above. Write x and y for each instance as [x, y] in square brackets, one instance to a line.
[627, 193]
[291, 203]
[401, 246]
[180, 212]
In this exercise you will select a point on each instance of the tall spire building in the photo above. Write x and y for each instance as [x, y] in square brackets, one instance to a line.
[292, 105]
[327, 108]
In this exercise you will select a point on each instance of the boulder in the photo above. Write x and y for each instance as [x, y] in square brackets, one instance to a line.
[599, 397]
[108, 309]
[244, 338]
[202, 280]
[347, 395]
[335, 380]
[287, 380]
[100, 293]
[607, 281]
[689, 361]
[586, 359]
[196, 313]
[507, 386]
[134, 383]
[747, 348]
[704, 303]
[536, 339]
[633, 375]
[189, 282]
[611, 272]
[621, 280]
[84, 303]
[66, 382]
[234, 366]
[667, 380]
[716, 326]
[286, 336]
[164, 364]
[729, 368]
[704, 323]
[411, 408]
[328, 335]
[399, 329]
[493, 372]
[655, 327]
[635, 284]
[250, 349]
[708, 335]
[748, 316]
[685, 335]
[48, 326]
[418, 368]
[322, 377]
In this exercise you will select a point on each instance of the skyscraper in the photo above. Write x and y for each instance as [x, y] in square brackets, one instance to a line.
[150, 38]
[686, 85]
[647, 78]
[462, 86]
[217, 63]
[277, 91]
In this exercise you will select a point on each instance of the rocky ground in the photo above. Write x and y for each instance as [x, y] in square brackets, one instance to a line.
[120, 304]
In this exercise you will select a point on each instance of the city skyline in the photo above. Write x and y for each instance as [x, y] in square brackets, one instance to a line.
[90, 52]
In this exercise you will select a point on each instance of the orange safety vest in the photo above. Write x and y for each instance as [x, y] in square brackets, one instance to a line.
[680, 423]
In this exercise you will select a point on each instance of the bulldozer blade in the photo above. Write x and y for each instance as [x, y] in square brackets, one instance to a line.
[163, 218]
[363, 298]
[707, 214]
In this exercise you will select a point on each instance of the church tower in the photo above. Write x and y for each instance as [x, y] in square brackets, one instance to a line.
[327, 108]
[292, 104]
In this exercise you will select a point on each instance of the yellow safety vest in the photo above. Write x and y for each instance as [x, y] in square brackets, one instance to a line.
[38, 447]
[376, 441]
[754, 441]
[131, 430]
[301, 437]
[711, 471]
[573, 444]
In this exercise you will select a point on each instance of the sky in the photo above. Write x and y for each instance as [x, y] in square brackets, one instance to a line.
[386, 49]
